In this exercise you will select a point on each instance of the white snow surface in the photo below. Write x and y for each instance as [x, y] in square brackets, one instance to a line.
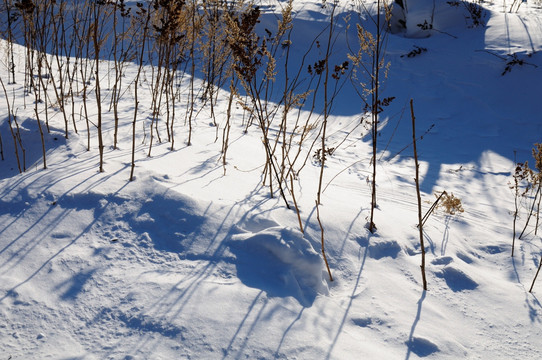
[186, 262]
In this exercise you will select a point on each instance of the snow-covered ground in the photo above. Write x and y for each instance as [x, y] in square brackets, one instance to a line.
[186, 262]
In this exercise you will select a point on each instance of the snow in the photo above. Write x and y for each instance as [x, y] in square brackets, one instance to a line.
[189, 262]
[280, 255]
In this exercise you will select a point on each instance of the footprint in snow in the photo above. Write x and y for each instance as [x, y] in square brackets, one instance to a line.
[456, 279]
[443, 260]
[492, 249]
[421, 346]
[387, 248]
[368, 322]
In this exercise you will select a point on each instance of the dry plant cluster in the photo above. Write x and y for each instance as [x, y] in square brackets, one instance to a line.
[527, 188]
[171, 43]
[78, 53]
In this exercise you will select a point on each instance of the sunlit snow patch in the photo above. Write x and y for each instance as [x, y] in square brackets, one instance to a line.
[281, 261]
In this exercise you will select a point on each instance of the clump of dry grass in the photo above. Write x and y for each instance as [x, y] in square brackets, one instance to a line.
[450, 203]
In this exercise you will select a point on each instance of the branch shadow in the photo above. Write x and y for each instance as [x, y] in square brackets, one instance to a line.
[351, 300]
[299, 315]
[419, 346]
[26, 248]
[241, 325]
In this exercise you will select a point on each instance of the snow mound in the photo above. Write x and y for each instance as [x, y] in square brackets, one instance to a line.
[281, 261]
[513, 32]
[28, 135]
[424, 18]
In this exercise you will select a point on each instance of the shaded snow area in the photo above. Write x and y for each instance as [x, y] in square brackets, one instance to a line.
[194, 259]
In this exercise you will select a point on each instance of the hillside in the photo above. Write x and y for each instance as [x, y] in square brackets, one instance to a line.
[192, 258]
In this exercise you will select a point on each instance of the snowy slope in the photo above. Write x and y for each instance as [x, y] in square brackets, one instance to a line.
[187, 262]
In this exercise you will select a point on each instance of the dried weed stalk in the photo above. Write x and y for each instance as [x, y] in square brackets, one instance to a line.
[369, 63]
